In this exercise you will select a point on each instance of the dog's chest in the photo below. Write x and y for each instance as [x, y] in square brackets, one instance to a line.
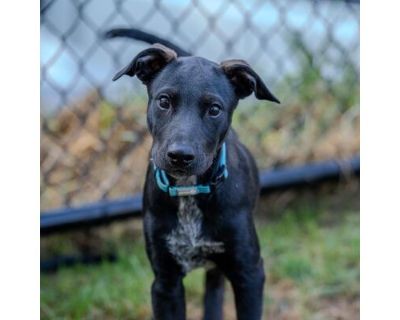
[186, 242]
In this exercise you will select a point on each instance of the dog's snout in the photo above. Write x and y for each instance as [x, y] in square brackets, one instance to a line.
[180, 155]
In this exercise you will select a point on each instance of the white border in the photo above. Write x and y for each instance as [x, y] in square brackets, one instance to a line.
[19, 160]
[380, 160]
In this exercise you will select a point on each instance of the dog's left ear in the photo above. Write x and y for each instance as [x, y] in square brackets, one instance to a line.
[246, 81]
[148, 63]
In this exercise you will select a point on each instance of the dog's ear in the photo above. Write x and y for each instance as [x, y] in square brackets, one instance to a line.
[245, 80]
[148, 62]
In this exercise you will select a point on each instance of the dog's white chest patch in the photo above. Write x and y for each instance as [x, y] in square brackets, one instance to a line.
[186, 242]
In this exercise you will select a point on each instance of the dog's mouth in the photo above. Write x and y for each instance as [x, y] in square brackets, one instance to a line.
[179, 172]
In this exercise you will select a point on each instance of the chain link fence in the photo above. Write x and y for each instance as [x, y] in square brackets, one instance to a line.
[94, 139]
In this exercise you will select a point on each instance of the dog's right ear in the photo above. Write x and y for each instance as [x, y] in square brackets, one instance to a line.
[148, 62]
[245, 80]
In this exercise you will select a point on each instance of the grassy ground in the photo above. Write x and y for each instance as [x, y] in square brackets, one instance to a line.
[312, 263]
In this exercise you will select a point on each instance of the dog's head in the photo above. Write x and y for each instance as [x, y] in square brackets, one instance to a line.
[191, 101]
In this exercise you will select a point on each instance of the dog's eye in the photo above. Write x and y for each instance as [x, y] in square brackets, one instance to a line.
[214, 110]
[164, 103]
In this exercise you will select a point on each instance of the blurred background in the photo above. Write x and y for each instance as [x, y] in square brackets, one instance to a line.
[94, 147]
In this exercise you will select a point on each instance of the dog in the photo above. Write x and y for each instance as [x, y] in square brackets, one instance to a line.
[201, 184]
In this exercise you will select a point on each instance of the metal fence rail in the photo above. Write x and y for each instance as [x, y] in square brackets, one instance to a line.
[89, 215]
[94, 138]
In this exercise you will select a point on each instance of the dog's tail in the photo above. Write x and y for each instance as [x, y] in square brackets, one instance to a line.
[144, 36]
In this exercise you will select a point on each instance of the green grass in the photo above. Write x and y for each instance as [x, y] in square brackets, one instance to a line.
[312, 264]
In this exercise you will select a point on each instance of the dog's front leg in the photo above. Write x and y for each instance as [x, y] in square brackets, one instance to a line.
[248, 288]
[167, 291]
[168, 298]
[243, 266]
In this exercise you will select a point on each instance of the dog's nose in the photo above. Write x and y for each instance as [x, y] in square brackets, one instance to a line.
[180, 155]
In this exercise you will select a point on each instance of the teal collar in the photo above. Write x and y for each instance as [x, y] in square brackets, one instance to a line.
[182, 191]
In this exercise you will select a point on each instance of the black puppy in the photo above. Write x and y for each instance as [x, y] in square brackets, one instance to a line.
[201, 184]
